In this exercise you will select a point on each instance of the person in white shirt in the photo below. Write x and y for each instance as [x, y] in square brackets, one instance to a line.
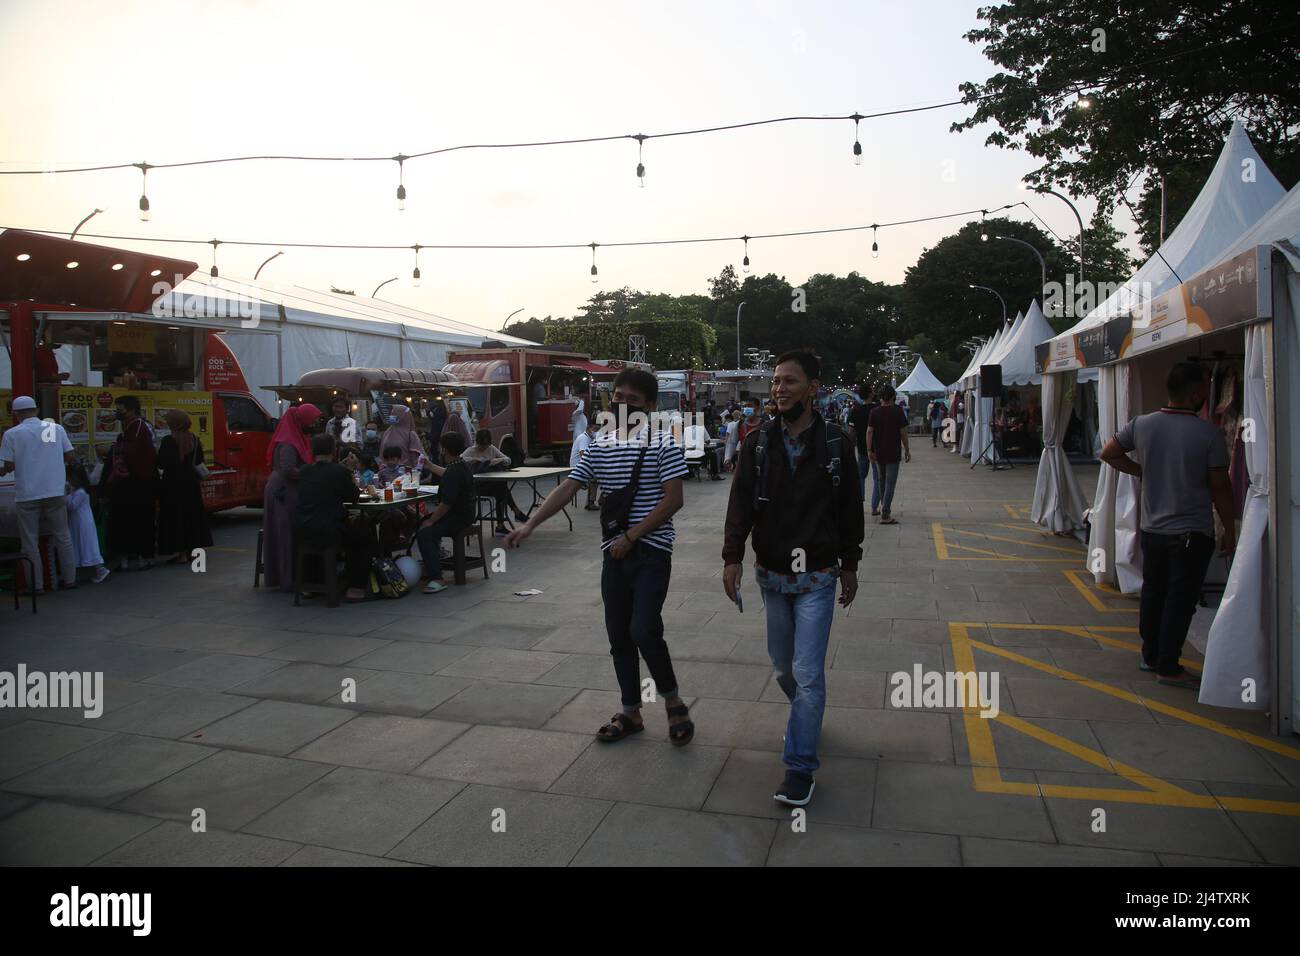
[37, 452]
[342, 426]
[581, 441]
[81, 523]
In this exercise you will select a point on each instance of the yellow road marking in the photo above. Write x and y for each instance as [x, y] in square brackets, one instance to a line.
[1019, 541]
[986, 772]
[940, 545]
[1075, 577]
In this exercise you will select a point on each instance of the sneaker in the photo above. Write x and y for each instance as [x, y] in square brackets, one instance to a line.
[875, 512]
[100, 574]
[433, 587]
[796, 790]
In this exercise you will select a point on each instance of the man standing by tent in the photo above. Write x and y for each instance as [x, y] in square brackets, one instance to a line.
[1184, 477]
[795, 490]
[886, 447]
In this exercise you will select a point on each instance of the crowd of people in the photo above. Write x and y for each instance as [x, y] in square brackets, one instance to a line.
[146, 497]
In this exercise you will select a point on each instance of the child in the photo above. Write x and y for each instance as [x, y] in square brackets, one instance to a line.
[392, 466]
[81, 522]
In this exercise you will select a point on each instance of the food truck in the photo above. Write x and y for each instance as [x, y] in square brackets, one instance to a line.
[531, 393]
[685, 390]
[104, 303]
[372, 392]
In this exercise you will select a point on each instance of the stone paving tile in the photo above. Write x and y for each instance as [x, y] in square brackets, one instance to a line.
[58, 834]
[504, 704]
[320, 649]
[216, 672]
[499, 663]
[540, 829]
[1054, 697]
[934, 798]
[274, 727]
[824, 844]
[1018, 750]
[506, 757]
[110, 770]
[736, 681]
[175, 844]
[495, 634]
[28, 744]
[413, 657]
[11, 803]
[383, 742]
[980, 851]
[843, 795]
[364, 811]
[1185, 751]
[644, 771]
[231, 787]
[594, 671]
[323, 856]
[176, 715]
[304, 683]
[393, 692]
[635, 835]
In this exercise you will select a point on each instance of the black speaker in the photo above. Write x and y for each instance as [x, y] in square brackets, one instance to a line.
[990, 381]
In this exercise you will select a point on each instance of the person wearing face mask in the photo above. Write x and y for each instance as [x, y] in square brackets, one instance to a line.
[796, 491]
[342, 426]
[455, 510]
[1183, 469]
[640, 470]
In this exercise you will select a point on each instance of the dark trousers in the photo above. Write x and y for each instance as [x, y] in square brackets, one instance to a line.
[1173, 570]
[354, 539]
[429, 538]
[633, 589]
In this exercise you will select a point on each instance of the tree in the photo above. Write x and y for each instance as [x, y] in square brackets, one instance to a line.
[1164, 78]
[1104, 259]
[936, 296]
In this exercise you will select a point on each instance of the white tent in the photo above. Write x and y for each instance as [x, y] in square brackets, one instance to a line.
[1016, 353]
[331, 330]
[921, 381]
[1256, 598]
[1238, 192]
[979, 427]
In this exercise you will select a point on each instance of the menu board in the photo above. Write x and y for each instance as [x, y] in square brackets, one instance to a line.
[87, 415]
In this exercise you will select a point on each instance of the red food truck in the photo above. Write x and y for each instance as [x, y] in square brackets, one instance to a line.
[532, 393]
[56, 292]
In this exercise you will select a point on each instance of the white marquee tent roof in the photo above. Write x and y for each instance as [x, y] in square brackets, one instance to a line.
[1237, 194]
[1016, 354]
[1279, 227]
[921, 381]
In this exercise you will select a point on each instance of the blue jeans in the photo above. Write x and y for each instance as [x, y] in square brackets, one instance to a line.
[798, 630]
[885, 477]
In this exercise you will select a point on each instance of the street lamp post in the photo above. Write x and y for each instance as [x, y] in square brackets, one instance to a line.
[381, 285]
[83, 222]
[264, 264]
[1000, 299]
[1078, 218]
[1041, 261]
[738, 308]
[511, 316]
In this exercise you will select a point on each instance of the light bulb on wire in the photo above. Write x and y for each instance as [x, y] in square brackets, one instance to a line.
[594, 273]
[213, 271]
[744, 263]
[857, 141]
[415, 276]
[640, 166]
[401, 186]
[875, 247]
[144, 198]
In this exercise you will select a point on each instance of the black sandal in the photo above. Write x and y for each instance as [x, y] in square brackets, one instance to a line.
[683, 731]
[619, 726]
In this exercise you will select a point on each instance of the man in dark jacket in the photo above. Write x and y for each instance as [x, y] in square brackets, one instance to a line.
[796, 488]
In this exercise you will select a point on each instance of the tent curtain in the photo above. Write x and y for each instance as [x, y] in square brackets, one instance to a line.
[1128, 498]
[1238, 645]
[1058, 499]
[983, 422]
[1101, 533]
[969, 427]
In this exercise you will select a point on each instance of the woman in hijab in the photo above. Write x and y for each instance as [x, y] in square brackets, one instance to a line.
[401, 433]
[290, 450]
[437, 419]
[182, 519]
[455, 423]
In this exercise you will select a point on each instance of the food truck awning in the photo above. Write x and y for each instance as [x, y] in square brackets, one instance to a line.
[38, 267]
[595, 368]
[481, 372]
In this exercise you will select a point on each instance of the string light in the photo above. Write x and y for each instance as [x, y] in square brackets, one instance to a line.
[415, 276]
[640, 166]
[744, 263]
[213, 271]
[401, 186]
[875, 248]
[593, 262]
[857, 142]
[144, 191]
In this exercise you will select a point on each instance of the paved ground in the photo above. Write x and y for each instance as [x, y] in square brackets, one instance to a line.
[476, 707]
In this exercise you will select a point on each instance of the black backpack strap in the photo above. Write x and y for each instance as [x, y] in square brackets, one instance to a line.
[760, 469]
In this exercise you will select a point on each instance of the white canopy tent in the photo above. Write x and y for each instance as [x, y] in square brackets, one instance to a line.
[921, 381]
[1238, 193]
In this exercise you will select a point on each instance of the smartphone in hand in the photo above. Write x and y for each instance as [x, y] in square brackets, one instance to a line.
[740, 604]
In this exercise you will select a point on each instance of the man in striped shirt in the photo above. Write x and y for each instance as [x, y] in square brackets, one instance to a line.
[638, 545]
